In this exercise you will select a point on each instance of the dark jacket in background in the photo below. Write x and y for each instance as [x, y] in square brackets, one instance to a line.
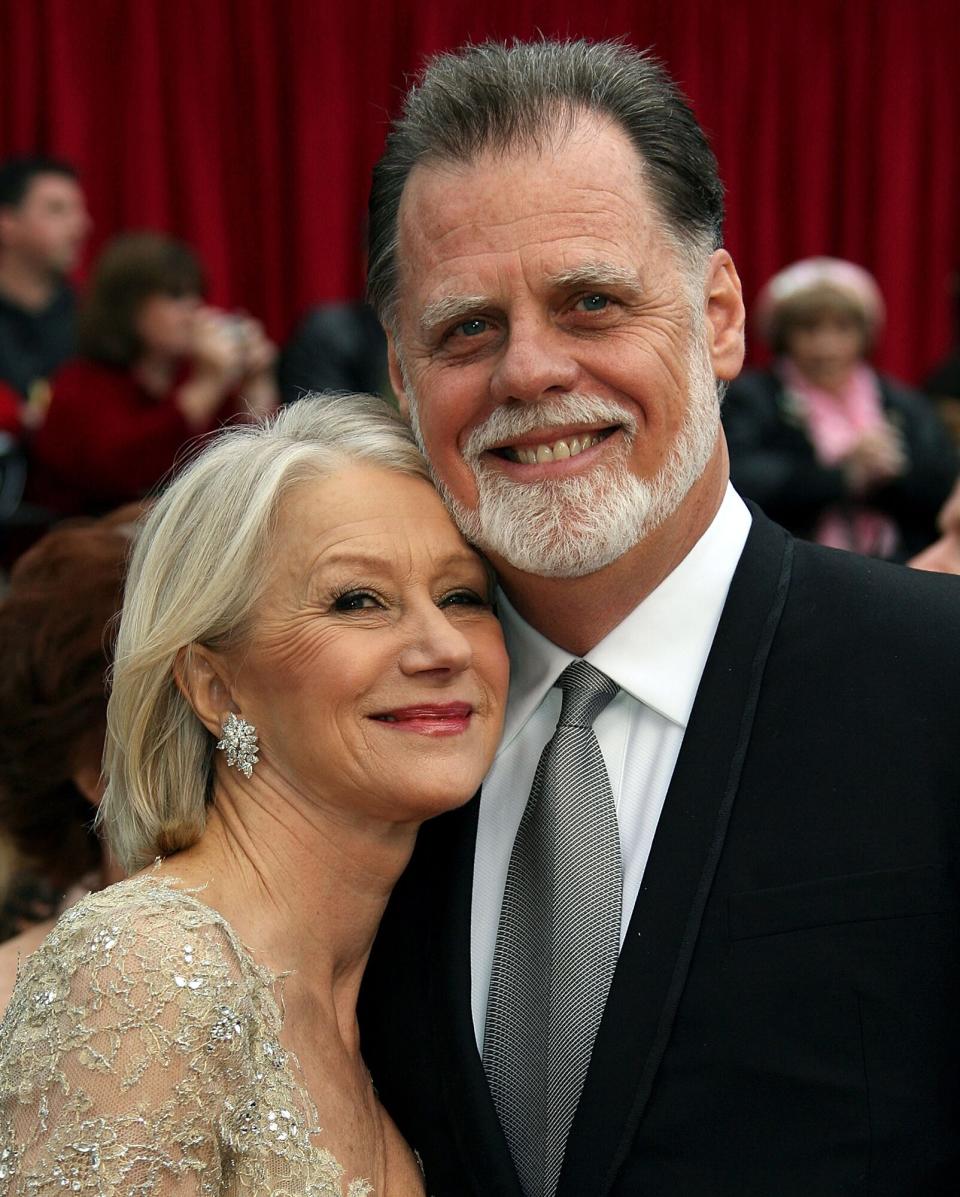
[336, 347]
[34, 344]
[772, 461]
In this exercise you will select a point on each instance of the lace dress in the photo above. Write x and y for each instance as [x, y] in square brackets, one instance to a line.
[140, 1057]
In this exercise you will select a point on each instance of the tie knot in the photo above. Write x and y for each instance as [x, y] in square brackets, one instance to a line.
[586, 691]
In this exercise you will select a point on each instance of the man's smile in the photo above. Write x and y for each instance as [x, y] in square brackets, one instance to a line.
[546, 447]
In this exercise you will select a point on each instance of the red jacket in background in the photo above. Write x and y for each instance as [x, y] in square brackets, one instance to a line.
[106, 441]
[10, 411]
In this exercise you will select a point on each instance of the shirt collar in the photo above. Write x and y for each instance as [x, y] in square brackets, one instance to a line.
[658, 652]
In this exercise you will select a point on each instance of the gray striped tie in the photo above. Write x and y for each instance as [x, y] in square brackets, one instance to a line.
[558, 938]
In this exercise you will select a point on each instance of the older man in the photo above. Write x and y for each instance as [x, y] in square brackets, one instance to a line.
[698, 935]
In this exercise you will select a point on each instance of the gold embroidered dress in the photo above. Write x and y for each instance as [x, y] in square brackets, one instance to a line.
[140, 1057]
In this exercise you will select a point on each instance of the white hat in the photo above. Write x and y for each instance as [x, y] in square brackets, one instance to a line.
[812, 273]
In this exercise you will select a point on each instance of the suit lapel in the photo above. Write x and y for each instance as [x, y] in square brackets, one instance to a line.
[480, 1143]
[655, 959]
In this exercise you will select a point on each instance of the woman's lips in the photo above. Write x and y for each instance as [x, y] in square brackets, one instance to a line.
[429, 719]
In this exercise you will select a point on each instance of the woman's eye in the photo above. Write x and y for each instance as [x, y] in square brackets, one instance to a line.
[355, 600]
[593, 303]
[463, 598]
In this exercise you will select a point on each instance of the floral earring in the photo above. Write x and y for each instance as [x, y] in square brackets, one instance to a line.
[239, 743]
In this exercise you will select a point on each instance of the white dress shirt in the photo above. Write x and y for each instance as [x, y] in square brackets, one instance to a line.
[656, 656]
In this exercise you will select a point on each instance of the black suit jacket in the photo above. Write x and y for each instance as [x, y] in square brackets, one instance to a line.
[784, 1018]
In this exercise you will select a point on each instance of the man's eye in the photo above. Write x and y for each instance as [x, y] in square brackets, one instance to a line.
[355, 600]
[472, 328]
[593, 303]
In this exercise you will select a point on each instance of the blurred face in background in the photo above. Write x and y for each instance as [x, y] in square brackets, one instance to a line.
[827, 347]
[50, 225]
[166, 324]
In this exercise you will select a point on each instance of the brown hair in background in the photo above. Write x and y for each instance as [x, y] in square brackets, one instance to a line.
[56, 638]
[131, 269]
[808, 307]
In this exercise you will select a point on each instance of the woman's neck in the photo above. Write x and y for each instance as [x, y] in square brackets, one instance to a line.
[303, 886]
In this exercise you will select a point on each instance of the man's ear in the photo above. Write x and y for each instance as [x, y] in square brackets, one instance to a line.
[725, 315]
[203, 680]
[397, 380]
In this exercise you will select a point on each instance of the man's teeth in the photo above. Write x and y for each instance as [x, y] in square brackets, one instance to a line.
[555, 451]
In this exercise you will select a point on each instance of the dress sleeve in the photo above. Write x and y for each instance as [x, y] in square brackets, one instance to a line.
[118, 1056]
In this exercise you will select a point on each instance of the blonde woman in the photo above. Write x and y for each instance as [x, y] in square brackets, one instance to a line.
[307, 667]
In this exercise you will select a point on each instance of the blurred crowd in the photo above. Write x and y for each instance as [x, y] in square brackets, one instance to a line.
[103, 393]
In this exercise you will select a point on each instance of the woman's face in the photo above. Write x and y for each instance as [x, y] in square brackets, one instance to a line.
[826, 349]
[376, 673]
[165, 324]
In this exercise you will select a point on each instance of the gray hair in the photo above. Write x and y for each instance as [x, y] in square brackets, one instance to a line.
[504, 97]
[200, 565]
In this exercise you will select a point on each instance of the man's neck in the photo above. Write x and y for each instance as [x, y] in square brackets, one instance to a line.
[26, 285]
[577, 613]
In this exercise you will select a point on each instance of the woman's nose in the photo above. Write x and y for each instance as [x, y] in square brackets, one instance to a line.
[434, 644]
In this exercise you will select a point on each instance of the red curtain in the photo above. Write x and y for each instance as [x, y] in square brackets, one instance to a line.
[248, 127]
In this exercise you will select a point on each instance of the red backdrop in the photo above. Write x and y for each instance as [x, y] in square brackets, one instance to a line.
[248, 127]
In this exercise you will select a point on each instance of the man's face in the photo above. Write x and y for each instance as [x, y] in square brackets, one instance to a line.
[50, 225]
[559, 361]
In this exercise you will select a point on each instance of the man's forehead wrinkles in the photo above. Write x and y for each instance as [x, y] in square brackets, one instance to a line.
[572, 215]
[585, 246]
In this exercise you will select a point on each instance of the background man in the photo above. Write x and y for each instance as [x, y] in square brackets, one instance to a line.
[715, 950]
[43, 227]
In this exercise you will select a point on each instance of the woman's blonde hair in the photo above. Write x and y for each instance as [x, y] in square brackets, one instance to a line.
[200, 565]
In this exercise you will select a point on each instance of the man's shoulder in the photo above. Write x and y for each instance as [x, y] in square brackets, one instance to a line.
[761, 387]
[889, 582]
[851, 605]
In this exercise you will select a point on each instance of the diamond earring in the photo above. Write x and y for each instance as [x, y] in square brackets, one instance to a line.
[239, 743]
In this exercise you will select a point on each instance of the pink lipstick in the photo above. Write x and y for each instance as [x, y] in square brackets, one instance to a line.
[429, 719]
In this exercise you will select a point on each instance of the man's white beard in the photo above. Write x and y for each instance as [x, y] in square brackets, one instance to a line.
[572, 526]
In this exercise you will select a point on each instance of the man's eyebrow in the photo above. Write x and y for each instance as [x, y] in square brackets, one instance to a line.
[450, 307]
[597, 274]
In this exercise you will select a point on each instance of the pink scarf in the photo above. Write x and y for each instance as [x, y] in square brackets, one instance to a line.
[835, 422]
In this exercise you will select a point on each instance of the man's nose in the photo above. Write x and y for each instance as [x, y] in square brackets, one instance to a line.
[434, 644]
[536, 361]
